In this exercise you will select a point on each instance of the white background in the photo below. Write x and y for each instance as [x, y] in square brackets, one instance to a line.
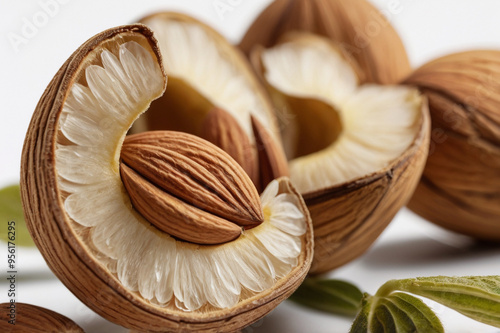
[410, 247]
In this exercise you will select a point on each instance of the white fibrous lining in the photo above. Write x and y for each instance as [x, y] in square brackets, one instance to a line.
[317, 72]
[163, 270]
[191, 54]
[378, 122]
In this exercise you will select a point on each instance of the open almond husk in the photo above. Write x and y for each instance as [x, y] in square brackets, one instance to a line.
[361, 30]
[460, 187]
[214, 94]
[356, 152]
[113, 256]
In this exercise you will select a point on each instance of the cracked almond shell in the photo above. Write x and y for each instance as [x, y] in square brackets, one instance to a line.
[361, 30]
[80, 217]
[356, 152]
[460, 187]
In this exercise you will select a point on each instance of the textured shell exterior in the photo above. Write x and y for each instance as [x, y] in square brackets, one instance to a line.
[460, 187]
[349, 217]
[361, 29]
[69, 258]
[34, 319]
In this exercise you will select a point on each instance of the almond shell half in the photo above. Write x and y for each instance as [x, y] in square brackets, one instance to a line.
[349, 217]
[63, 244]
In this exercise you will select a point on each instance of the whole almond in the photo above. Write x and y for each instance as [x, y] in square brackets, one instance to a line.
[188, 187]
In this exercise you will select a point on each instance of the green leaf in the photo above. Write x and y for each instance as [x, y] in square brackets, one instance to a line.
[333, 296]
[477, 297]
[382, 321]
[406, 313]
[360, 324]
[393, 310]
[396, 313]
[12, 210]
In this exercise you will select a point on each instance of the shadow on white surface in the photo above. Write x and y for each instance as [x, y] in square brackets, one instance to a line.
[427, 251]
[290, 317]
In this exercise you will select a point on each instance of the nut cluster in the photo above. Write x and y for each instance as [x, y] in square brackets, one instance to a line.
[199, 202]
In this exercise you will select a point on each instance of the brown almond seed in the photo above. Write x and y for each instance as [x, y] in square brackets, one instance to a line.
[174, 216]
[222, 129]
[195, 171]
[272, 160]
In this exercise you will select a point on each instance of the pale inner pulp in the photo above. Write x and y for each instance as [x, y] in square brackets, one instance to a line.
[111, 93]
[202, 74]
[340, 131]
